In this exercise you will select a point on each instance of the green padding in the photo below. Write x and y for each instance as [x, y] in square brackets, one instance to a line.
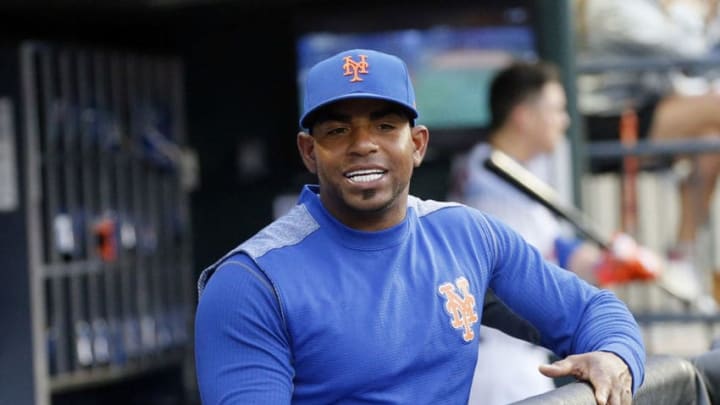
[453, 97]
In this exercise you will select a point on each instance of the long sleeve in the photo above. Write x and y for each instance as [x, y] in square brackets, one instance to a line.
[241, 346]
[571, 315]
[497, 315]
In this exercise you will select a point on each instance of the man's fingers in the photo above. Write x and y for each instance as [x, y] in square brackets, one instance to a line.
[606, 395]
[602, 395]
[550, 370]
[606, 372]
[625, 395]
[559, 368]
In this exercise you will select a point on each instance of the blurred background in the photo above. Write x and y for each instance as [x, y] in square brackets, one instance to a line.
[140, 140]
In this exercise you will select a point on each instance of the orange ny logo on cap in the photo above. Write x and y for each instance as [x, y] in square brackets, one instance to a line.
[355, 68]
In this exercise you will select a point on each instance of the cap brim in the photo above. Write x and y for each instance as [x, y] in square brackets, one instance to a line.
[307, 118]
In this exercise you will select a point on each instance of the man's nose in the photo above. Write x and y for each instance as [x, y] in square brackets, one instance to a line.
[363, 140]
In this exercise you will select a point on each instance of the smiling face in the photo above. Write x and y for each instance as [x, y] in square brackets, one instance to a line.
[364, 152]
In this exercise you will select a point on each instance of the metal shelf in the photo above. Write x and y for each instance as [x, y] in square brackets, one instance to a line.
[107, 217]
[82, 379]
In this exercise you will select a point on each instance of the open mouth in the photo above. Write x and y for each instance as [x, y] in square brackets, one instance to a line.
[365, 176]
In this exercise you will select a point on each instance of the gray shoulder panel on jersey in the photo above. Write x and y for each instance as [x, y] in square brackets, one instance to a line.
[287, 230]
[425, 207]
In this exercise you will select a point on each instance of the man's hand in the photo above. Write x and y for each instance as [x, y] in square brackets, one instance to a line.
[608, 374]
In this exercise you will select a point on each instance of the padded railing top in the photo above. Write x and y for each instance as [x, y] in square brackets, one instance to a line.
[668, 380]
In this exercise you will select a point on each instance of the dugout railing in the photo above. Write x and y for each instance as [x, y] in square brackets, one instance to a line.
[669, 380]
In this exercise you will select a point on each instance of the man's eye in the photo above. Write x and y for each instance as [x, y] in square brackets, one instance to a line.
[336, 131]
[386, 127]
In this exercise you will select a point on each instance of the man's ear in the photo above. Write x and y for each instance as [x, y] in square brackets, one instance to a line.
[420, 138]
[520, 115]
[306, 147]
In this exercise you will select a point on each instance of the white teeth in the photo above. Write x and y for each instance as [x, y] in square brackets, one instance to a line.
[364, 176]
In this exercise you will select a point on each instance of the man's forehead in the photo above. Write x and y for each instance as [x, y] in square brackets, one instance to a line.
[361, 106]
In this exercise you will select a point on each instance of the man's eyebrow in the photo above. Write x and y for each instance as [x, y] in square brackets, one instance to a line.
[332, 116]
[385, 112]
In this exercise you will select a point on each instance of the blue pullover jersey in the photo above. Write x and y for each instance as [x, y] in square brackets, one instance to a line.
[309, 311]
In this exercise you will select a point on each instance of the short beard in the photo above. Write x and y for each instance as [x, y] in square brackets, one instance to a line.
[368, 194]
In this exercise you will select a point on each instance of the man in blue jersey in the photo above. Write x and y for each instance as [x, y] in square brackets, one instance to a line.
[363, 293]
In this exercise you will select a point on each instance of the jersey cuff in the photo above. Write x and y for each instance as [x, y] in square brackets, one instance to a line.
[635, 365]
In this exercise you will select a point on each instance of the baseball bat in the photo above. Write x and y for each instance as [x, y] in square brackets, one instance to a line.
[524, 180]
[515, 174]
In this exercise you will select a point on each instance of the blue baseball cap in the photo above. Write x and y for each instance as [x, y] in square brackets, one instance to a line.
[357, 73]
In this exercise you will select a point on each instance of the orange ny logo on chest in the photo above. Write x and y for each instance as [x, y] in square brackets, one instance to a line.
[353, 68]
[460, 307]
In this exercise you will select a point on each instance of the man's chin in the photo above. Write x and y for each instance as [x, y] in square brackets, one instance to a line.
[374, 203]
[369, 207]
